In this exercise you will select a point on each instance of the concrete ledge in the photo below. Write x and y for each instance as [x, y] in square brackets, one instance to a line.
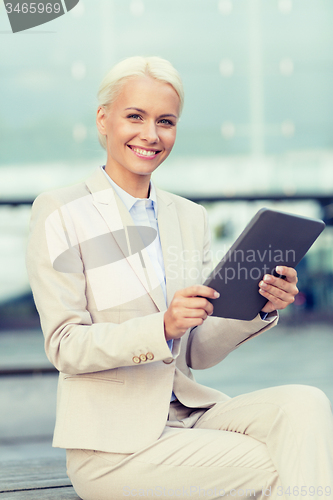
[35, 479]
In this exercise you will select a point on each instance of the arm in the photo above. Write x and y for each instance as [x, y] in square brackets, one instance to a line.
[74, 341]
[217, 337]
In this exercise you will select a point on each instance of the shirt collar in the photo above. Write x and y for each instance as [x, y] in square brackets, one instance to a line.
[129, 200]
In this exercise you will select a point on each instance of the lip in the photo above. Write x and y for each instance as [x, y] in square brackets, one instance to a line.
[144, 157]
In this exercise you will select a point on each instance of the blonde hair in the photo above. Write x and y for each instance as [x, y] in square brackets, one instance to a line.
[155, 67]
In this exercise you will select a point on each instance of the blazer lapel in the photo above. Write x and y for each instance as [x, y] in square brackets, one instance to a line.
[172, 244]
[118, 219]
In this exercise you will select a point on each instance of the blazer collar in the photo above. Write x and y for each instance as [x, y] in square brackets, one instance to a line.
[99, 187]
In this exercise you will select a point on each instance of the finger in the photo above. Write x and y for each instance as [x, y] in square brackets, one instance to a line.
[198, 303]
[191, 312]
[289, 272]
[269, 282]
[195, 313]
[199, 291]
[185, 310]
[279, 300]
[179, 302]
[280, 293]
[181, 311]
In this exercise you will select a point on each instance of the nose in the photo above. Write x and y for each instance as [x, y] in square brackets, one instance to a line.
[149, 132]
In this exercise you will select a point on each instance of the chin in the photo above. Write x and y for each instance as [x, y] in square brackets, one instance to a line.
[144, 171]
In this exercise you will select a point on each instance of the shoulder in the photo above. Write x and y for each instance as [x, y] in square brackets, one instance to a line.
[50, 205]
[57, 198]
[61, 196]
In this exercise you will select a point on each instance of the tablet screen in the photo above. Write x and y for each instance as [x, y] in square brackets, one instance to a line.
[271, 239]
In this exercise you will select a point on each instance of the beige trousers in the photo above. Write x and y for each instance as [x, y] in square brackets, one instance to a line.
[275, 442]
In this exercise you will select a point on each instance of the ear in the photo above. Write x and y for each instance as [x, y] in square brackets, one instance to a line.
[100, 120]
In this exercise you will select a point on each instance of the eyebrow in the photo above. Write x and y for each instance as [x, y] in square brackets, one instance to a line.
[144, 112]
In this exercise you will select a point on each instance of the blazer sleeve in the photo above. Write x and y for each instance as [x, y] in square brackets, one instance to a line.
[211, 342]
[73, 342]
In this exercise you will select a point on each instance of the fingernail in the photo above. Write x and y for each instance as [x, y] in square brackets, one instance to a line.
[279, 269]
[216, 295]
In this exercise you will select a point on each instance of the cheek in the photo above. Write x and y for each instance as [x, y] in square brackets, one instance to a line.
[119, 135]
[168, 138]
[125, 132]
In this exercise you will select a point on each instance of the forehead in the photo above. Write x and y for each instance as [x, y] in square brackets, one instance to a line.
[149, 94]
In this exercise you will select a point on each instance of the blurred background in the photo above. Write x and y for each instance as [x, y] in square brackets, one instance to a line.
[257, 130]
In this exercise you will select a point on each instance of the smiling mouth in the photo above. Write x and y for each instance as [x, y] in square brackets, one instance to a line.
[149, 153]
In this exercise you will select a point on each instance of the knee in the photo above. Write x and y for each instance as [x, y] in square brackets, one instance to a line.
[313, 394]
[309, 398]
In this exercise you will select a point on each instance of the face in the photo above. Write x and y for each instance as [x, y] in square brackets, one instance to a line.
[140, 128]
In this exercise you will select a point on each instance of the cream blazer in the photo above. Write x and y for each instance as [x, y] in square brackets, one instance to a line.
[101, 309]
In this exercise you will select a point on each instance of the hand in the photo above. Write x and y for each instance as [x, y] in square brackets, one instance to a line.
[188, 308]
[279, 292]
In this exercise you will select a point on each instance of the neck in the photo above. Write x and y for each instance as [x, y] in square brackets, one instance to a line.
[134, 184]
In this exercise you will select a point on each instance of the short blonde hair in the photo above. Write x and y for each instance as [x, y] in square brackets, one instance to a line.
[155, 67]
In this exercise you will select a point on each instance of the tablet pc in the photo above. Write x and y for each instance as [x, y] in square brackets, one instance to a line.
[270, 239]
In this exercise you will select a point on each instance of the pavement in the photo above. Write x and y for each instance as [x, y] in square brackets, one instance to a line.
[283, 355]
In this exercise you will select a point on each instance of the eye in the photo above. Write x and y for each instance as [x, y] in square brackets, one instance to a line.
[166, 121]
[134, 116]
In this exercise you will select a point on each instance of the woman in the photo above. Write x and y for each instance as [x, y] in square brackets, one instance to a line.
[124, 323]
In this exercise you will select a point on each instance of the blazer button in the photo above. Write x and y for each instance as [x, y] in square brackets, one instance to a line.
[150, 356]
[168, 361]
[136, 360]
[143, 357]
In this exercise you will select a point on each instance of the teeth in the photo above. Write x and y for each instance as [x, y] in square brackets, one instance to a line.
[144, 152]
